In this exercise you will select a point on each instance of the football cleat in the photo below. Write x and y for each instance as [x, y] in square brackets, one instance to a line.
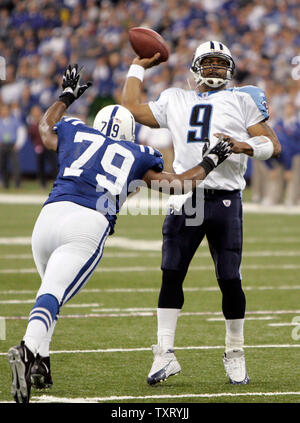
[20, 360]
[235, 367]
[40, 373]
[164, 365]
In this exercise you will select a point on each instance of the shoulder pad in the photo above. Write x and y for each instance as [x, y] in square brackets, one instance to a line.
[258, 96]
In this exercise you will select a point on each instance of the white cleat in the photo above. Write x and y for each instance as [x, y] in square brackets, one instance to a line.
[235, 367]
[164, 365]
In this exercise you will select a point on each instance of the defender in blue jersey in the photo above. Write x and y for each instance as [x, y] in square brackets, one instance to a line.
[97, 167]
[98, 173]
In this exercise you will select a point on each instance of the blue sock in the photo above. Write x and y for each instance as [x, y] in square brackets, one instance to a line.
[42, 315]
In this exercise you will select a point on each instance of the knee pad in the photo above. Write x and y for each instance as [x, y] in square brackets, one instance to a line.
[171, 292]
[233, 298]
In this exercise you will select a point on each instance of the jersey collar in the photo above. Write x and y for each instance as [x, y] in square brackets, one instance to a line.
[207, 93]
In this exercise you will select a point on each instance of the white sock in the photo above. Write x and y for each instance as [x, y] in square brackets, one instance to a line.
[35, 332]
[43, 349]
[234, 339]
[166, 327]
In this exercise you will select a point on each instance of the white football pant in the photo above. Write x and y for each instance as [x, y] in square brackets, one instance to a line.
[67, 244]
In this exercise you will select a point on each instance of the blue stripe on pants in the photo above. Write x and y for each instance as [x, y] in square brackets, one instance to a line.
[84, 269]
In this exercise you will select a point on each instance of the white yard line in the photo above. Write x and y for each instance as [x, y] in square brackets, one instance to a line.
[284, 324]
[155, 245]
[123, 269]
[284, 253]
[143, 201]
[145, 290]
[101, 313]
[141, 290]
[202, 347]
[53, 399]
[49, 398]
[221, 319]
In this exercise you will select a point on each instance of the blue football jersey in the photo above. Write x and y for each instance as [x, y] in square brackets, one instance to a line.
[96, 171]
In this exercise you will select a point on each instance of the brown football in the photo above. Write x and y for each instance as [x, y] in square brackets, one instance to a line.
[146, 42]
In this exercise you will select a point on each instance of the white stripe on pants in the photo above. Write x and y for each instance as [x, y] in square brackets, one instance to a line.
[67, 244]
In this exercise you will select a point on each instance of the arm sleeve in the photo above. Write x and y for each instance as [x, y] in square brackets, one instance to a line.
[254, 105]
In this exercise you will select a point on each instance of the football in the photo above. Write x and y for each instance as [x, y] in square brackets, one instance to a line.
[146, 42]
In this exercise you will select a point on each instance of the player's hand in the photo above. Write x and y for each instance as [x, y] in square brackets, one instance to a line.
[236, 146]
[215, 156]
[220, 151]
[72, 89]
[147, 63]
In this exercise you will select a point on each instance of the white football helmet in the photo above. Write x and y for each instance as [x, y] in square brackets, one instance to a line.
[116, 122]
[213, 49]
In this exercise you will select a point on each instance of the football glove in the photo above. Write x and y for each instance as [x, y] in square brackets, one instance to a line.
[72, 89]
[216, 155]
[205, 146]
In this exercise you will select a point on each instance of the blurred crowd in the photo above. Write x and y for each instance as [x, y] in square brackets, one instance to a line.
[39, 38]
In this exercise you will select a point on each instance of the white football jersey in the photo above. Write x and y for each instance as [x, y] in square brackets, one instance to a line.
[192, 117]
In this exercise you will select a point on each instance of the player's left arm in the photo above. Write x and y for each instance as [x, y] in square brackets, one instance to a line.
[263, 142]
[72, 90]
[172, 183]
[262, 145]
[263, 129]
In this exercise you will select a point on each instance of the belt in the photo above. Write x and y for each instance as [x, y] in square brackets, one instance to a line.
[220, 192]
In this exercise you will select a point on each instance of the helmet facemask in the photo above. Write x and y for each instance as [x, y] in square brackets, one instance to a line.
[209, 49]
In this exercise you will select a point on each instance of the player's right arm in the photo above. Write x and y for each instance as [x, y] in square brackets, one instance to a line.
[72, 90]
[131, 95]
[171, 183]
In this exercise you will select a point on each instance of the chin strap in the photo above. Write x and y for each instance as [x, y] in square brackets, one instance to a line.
[213, 82]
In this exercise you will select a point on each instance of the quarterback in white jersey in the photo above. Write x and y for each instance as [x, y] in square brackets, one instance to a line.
[195, 119]
[192, 117]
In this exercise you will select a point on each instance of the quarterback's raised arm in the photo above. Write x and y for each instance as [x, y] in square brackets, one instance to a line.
[171, 183]
[72, 90]
[131, 95]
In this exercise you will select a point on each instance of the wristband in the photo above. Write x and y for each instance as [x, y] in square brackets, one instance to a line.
[262, 146]
[67, 98]
[136, 71]
[208, 165]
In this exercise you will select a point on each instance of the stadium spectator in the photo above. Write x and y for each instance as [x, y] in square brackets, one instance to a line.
[284, 185]
[47, 34]
[12, 139]
[43, 155]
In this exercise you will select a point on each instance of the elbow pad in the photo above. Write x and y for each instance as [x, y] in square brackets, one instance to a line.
[262, 146]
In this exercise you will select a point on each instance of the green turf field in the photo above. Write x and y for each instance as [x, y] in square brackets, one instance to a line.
[101, 350]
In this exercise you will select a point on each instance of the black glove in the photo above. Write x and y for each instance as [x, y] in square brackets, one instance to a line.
[212, 158]
[72, 89]
[205, 146]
